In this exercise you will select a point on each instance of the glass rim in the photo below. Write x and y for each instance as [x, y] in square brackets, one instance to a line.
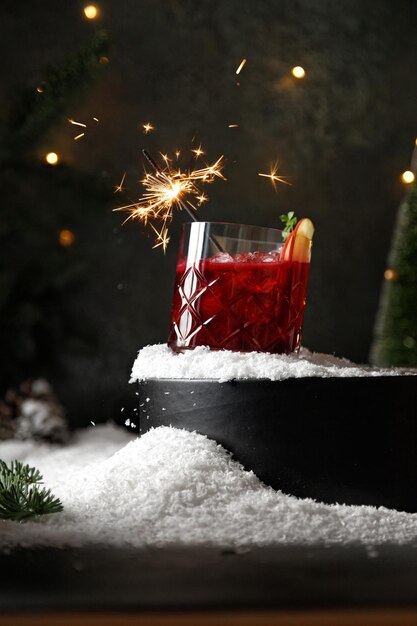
[277, 230]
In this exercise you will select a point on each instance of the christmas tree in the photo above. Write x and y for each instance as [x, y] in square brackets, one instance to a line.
[395, 341]
[42, 263]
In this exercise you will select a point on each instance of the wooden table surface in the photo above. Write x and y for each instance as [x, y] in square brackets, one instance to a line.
[287, 585]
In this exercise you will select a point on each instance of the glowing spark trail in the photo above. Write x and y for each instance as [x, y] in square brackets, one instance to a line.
[71, 121]
[168, 189]
[119, 188]
[239, 69]
[77, 123]
[273, 176]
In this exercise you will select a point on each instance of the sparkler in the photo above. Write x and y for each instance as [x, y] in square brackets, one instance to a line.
[167, 189]
[274, 177]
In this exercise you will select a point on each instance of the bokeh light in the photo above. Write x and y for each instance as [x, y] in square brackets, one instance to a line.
[298, 71]
[391, 275]
[52, 158]
[407, 177]
[91, 11]
[66, 238]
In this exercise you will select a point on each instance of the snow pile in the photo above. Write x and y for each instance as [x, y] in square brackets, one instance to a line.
[158, 361]
[173, 486]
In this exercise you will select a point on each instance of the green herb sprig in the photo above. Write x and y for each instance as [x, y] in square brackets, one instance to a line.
[289, 220]
[20, 494]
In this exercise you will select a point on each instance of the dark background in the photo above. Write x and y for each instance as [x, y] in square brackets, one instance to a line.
[342, 135]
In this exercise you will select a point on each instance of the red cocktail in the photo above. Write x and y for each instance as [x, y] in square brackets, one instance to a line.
[252, 299]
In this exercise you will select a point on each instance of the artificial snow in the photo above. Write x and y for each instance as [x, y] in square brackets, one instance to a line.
[175, 487]
[159, 361]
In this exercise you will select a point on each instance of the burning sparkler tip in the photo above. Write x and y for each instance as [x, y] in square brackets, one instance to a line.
[166, 189]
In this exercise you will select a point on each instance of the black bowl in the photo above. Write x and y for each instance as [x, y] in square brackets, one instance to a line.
[346, 440]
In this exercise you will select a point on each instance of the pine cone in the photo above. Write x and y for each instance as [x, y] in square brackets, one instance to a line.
[33, 413]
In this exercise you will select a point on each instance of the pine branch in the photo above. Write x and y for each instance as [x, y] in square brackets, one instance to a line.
[20, 494]
[33, 113]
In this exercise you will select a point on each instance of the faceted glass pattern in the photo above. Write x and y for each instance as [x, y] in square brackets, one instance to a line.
[250, 301]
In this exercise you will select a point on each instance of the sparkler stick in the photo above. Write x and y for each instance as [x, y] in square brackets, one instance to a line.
[182, 204]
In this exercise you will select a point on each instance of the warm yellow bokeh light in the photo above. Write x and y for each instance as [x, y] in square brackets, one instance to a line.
[298, 71]
[391, 275]
[66, 238]
[52, 158]
[407, 177]
[90, 12]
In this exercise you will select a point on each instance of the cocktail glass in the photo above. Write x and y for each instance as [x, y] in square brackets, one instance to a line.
[236, 290]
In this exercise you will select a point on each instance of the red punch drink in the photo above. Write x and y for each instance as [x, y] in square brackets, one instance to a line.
[250, 300]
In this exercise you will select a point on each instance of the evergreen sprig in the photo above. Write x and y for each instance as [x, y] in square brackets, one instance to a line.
[33, 113]
[289, 220]
[20, 494]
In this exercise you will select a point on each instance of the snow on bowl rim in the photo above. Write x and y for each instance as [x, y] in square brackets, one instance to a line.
[158, 362]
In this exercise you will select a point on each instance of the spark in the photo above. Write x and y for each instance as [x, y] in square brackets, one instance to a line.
[201, 198]
[239, 69]
[177, 153]
[198, 151]
[148, 128]
[233, 126]
[165, 157]
[119, 188]
[166, 190]
[79, 136]
[77, 123]
[273, 176]
[162, 237]
[95, 119]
